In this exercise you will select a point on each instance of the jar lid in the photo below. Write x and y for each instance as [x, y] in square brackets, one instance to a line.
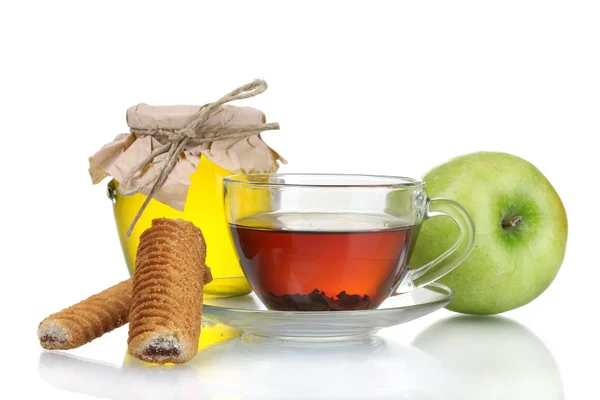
[247, 154]
[144, 116]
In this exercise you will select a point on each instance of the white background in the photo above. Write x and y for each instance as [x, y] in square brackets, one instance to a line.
[390, 88]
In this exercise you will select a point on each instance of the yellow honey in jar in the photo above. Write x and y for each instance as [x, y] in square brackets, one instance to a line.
[205, 208]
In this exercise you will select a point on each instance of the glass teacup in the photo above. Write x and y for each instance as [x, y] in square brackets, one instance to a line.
[336, 242]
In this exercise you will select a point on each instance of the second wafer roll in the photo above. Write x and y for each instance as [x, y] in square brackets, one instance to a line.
[87, 320]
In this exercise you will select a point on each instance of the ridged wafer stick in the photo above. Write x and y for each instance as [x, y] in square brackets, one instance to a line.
[166, 303]
[87, 320]
[91, 318]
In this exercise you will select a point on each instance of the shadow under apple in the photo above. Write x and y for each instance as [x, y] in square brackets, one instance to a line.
[492, 358]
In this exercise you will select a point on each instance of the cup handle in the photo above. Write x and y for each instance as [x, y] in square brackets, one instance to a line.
[452, 257]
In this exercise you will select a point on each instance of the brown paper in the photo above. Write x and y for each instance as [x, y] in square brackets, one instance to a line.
[247, 155]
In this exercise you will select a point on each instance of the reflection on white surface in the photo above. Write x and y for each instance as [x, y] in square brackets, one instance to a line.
[380, 370]
[493, 358]
[461, 357]
[238, 370]
[96, 379]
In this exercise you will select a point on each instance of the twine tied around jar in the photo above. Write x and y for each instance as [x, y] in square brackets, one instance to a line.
[177, 139]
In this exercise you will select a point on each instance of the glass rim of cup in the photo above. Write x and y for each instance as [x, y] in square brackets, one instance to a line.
[337, 180]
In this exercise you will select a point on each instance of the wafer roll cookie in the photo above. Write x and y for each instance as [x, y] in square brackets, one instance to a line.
[166, 307]
[87, 320]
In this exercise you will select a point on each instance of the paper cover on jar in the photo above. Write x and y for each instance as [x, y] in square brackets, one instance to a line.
[248, 154]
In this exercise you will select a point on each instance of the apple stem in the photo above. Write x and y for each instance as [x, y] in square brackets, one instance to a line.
[513, 222]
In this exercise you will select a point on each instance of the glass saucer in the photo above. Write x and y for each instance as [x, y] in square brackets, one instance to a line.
[252, 317]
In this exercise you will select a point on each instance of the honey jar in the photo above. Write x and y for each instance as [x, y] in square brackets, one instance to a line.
[205, 208]
[212, 141]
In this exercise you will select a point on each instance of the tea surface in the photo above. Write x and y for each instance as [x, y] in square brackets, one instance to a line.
[320, 262]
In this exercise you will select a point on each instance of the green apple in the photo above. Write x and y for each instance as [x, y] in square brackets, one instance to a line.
[521, 231]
